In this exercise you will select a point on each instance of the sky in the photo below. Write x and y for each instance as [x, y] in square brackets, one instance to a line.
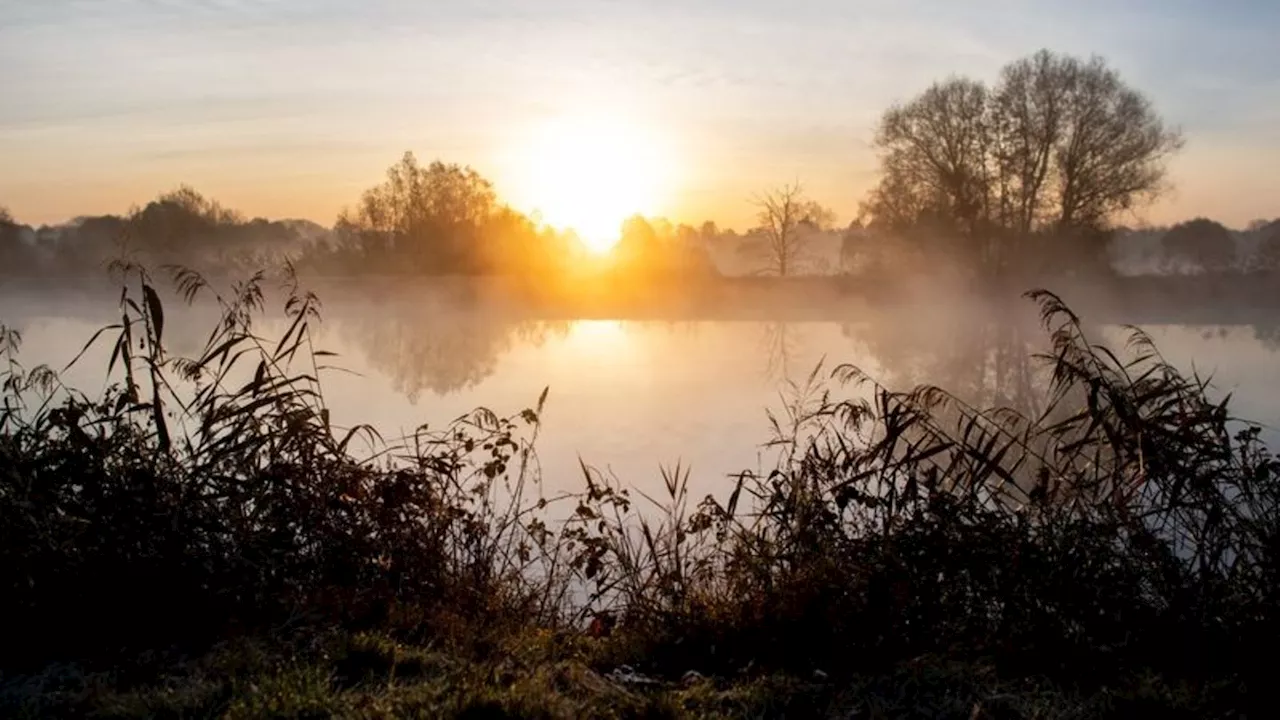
[290, 108]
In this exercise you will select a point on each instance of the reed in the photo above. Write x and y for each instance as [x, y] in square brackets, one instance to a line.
[1128, 530]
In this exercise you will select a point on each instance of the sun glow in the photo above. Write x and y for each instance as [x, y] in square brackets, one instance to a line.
[589, 173]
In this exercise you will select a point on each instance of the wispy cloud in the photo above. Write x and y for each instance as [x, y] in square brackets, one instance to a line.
[780, 84]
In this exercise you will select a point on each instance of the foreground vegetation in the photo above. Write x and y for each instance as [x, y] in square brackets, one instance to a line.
[202, 540]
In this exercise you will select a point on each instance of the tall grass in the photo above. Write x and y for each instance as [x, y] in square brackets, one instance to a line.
[211, 495]
[1132, 526]
[1132, 523]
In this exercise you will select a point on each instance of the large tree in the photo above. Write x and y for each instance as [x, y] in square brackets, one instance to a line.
[422, 219]
[1054, 150]
[178, 219]
[786, 219]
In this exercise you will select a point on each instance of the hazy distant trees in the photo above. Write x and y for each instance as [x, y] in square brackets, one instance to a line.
[1200, 242]
[179, 224]
[1051, 152]
[184, 227]
[856, 247]
[787, 218]
[1268, 257]
[87, 244]
[179, 215]
[75, 248]
[638, 241]
[654, 246]
[15, 254]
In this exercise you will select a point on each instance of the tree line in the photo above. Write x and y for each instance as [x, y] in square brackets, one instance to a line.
[1205, 245]
[1024, 177]
[433, 219]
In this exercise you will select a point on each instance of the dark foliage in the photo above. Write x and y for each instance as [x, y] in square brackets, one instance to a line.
[207, 496]
[1201, 243]
[1131, 528]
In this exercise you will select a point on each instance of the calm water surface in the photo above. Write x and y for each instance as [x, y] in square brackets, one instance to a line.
[629, 396]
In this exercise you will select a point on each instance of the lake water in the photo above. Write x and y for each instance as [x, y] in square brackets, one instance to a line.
[630, 396]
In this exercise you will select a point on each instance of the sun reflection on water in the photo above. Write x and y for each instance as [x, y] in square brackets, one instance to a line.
[598, 341]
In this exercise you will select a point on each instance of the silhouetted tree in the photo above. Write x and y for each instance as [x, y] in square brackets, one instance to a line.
[1055, 149]
[421, 219]
[16, 256]
[1201, 242]
[787, 218]
[178, 226]
[438, 219]
[87, 244]
[177, 219]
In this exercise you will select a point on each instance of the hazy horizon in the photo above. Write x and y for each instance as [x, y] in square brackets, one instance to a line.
[290, 109]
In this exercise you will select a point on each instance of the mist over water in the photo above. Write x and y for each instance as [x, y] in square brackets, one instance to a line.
[637, 362]
[627, 396]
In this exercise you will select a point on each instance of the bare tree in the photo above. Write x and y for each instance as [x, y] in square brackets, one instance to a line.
[1027, 116]
[1056, 148]
[787, 218]
[935, 151]
[1112, 154]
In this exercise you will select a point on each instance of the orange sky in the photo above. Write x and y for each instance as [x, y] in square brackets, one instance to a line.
[290, 109]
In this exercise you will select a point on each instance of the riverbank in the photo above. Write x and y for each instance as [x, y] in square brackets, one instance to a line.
[200, 540]
[547, 675]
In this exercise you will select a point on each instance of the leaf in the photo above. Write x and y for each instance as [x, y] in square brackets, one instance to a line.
[155, 308]
[89, 344]
[162, 430]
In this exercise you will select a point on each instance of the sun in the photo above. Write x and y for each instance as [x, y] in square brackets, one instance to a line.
[589, 172]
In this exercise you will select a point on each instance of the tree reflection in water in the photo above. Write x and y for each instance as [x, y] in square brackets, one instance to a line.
[1268, 334]
[984, 356]
[781, 345]
[442, 348]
